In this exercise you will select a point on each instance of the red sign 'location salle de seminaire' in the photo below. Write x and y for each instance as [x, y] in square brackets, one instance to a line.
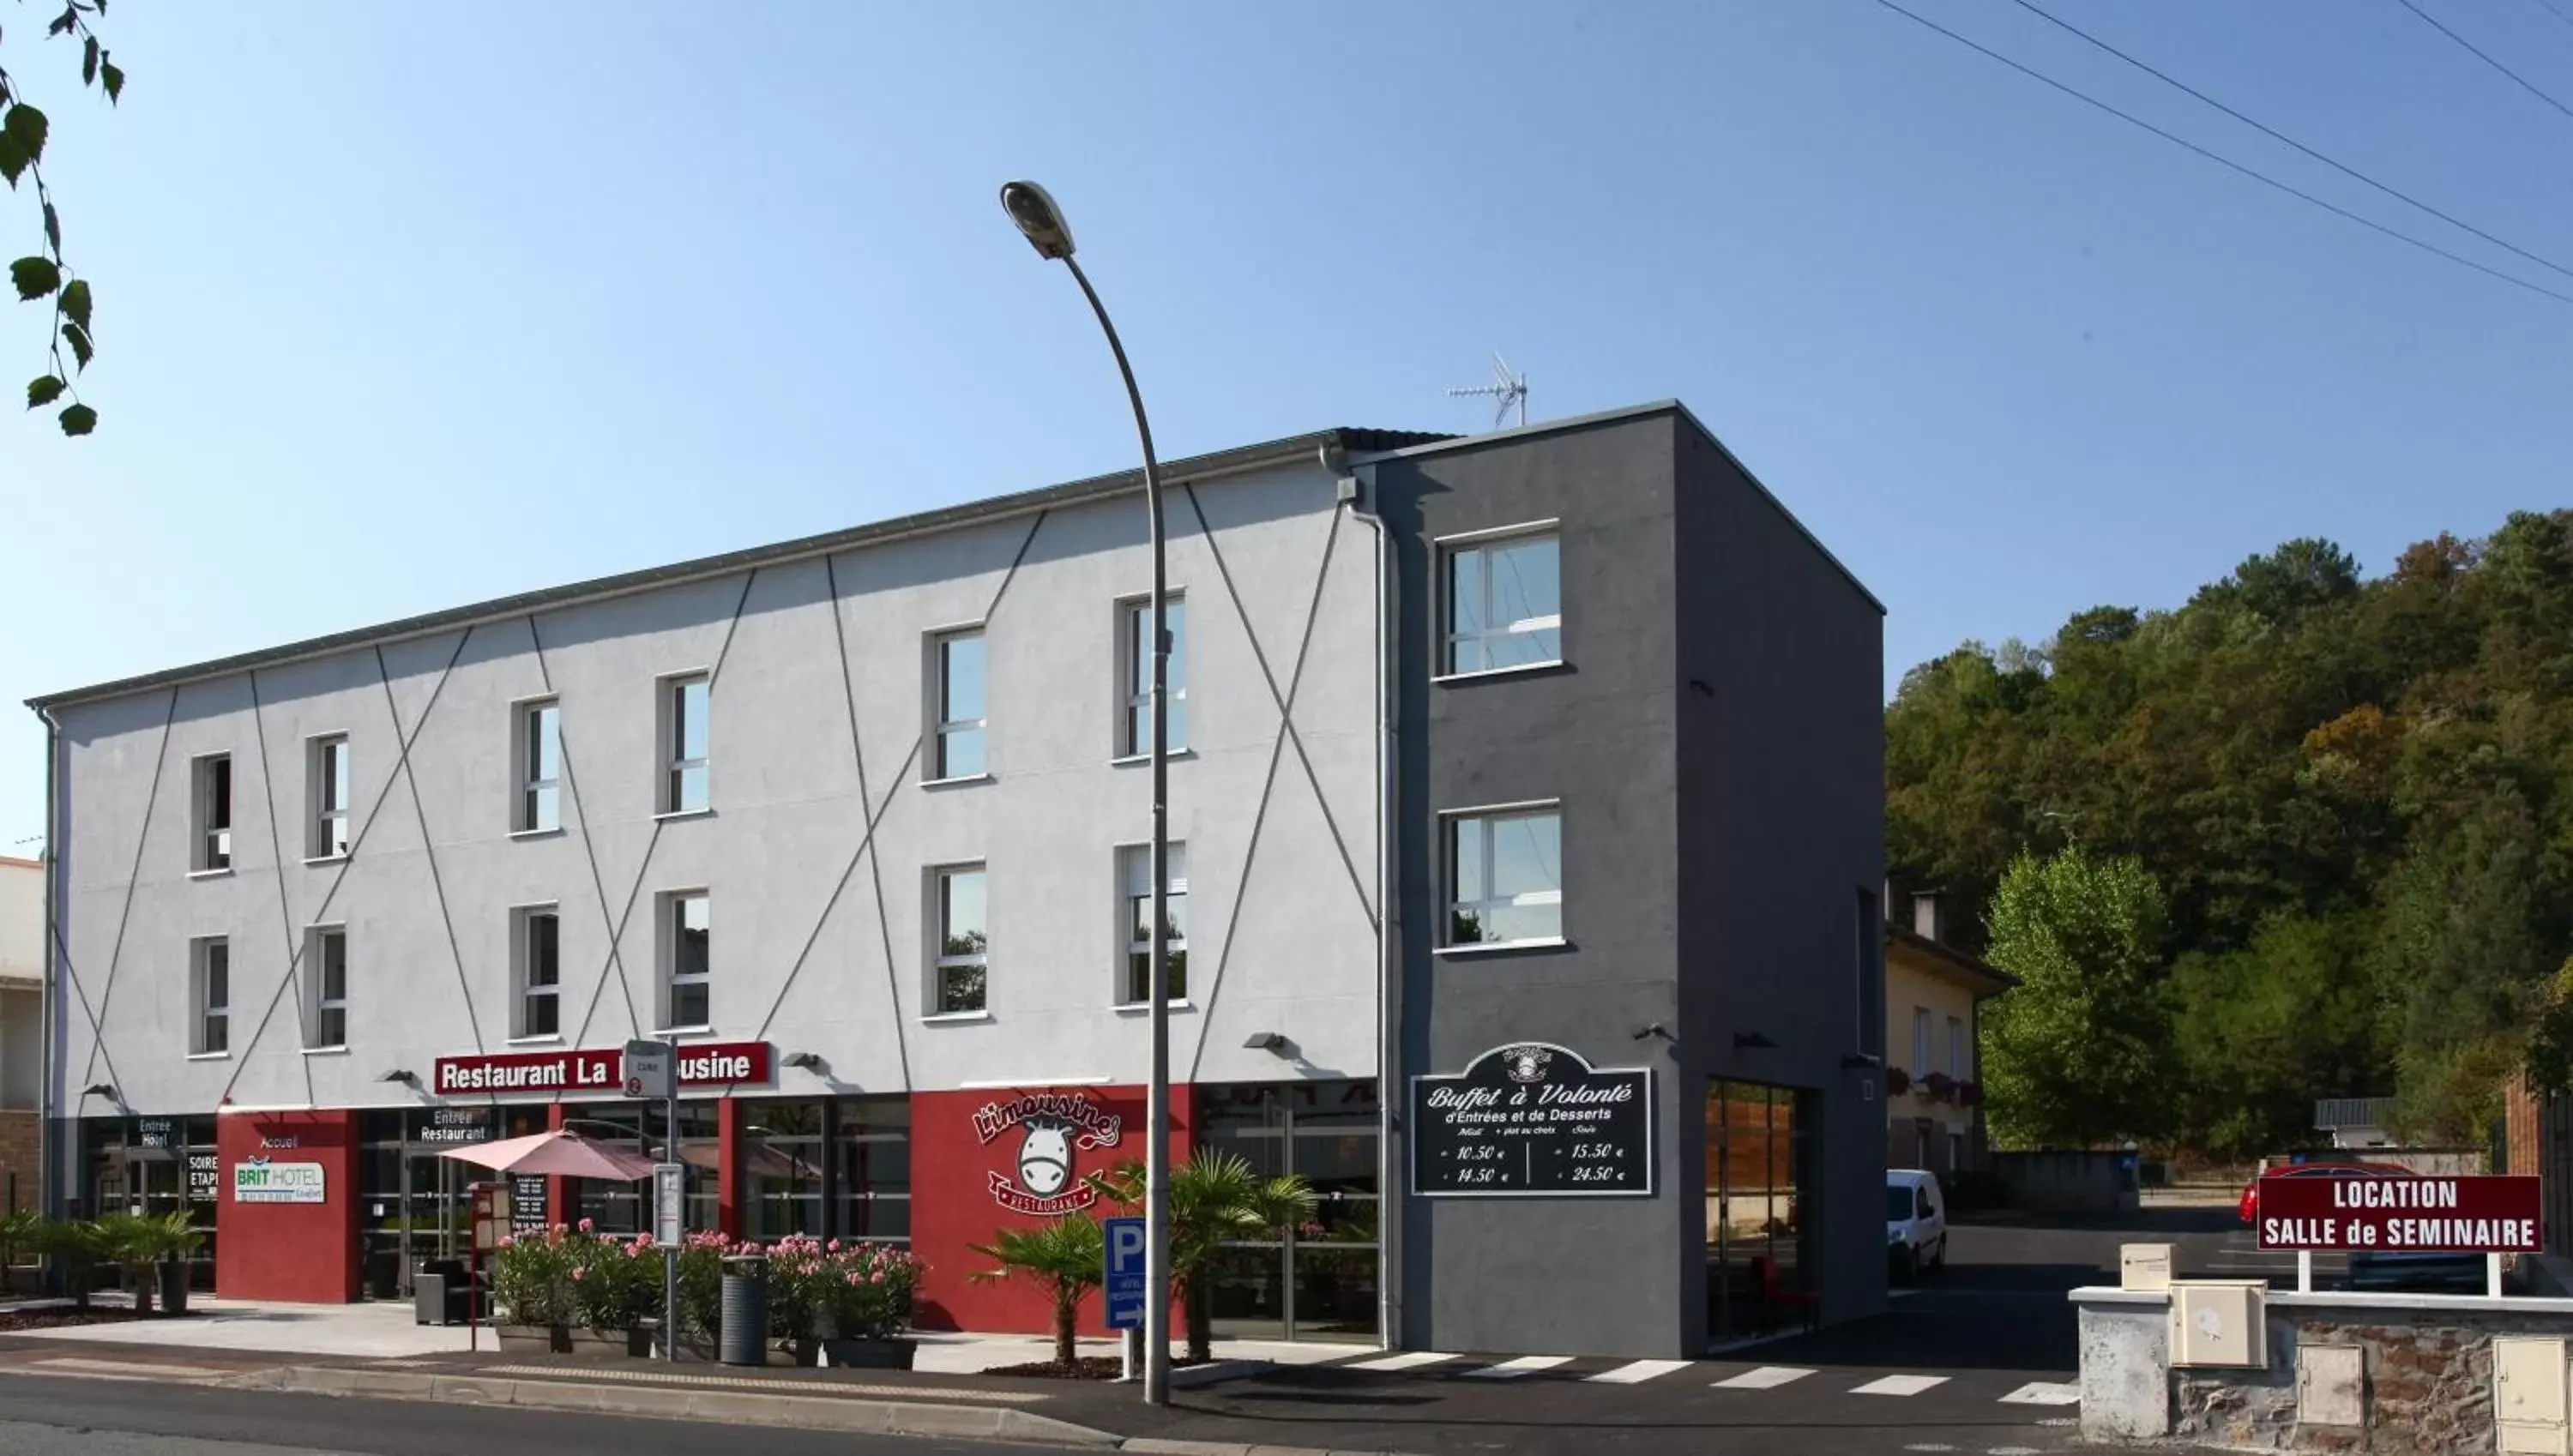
[2408, 1215]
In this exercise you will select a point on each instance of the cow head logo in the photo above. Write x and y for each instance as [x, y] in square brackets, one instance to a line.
[1528, 1063]
[1053, 1129]
[1045, 1158]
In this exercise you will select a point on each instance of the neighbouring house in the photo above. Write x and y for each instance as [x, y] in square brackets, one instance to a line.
[1933, 997]
[22, 1043]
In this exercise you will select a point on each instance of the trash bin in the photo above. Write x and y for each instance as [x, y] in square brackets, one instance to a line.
[745, 1310]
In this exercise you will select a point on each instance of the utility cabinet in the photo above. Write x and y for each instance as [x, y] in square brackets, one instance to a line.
[2143, 1266]
[2220, 1323]
[2529, 1395]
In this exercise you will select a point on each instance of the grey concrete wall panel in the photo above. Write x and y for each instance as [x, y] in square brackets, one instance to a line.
[819, 889]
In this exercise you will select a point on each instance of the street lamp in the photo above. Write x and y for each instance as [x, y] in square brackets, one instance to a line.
[1036, 215]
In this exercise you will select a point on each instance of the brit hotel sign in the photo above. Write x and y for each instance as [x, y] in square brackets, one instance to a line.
[2403, 1214]
[599, 1071]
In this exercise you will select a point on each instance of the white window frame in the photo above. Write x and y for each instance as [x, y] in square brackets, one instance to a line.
[1451, 825]
[675, 905]
[674, 732]
[1134, 675]
[328, 835]
[1925, 1043]
[204, 1013]
[1134, 887]
[524, 992]
[210, 846]
[523, 739]
[940, 960]
[942, 727]
[319, 1002]
[1481, 544]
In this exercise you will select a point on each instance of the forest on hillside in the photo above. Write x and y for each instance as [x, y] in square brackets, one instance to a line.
[2351, 798]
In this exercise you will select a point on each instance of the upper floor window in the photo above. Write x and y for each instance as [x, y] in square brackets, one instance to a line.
[1505, 877]
[1504, 603]
[540, 756]
[210, 990]
[1135, 905]
[686, 702]
[213, 797]
[325, 980]
[538, 971]
[958, 658]
[1961, 1061]
[688, 995]
[327, 790]
[1923, 1050]
[961, 969]
[1134, 675]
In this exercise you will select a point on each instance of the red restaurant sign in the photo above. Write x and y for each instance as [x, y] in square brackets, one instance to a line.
[2403, 1215]
[597, 1071]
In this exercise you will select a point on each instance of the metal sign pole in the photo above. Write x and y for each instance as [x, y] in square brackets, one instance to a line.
[2304, 1271]
[670, 1254]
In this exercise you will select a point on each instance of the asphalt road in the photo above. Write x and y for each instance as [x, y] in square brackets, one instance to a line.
[51, 1417]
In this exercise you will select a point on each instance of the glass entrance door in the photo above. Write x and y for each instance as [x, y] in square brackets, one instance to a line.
[1760, 1214]
[1316, 1279]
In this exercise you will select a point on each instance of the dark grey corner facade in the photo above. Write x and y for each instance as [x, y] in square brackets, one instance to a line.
[1637, 813]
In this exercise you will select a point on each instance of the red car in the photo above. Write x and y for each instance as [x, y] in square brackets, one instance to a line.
[2337, 1169]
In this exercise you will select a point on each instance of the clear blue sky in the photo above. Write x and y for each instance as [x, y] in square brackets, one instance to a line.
[400, 306]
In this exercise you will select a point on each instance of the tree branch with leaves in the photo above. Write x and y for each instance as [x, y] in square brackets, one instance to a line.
[46, 274]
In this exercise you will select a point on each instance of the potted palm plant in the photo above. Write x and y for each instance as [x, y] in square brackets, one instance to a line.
[82, 1247]
[1216, 1199]
[173, 1239]
[129, 1242]
[1067, 1258]
[21, 1231]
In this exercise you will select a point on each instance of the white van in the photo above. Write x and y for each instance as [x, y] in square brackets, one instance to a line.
[1916, 1223]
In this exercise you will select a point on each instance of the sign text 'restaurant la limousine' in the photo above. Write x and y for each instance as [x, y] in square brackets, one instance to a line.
[596, 1070]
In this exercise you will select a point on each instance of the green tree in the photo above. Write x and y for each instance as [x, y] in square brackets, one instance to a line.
[2265, 1031]
[1067, 1257]
[46, 276]
[1216, 1199]
[2080, 1053]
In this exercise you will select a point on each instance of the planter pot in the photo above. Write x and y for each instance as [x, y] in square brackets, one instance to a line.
[550, 1338]
[172, 1276]
[635, 1343]
[890, 1354]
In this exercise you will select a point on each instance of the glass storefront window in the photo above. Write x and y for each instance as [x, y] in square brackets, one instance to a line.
[1320, 1276]
[871, 1169]
[1759, 1228]
[782, 1175]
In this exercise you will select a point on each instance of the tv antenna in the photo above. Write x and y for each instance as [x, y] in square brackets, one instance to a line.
[1508, 389]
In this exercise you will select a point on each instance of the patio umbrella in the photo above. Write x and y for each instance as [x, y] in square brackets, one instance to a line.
[558, 1153]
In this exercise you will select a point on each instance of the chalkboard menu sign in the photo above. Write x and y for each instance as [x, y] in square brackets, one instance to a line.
[527, 1206]
[458, 1127]
[1533, 1120]
[202, 1174]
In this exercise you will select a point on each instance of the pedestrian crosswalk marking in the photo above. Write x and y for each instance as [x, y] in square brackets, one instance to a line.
[1514, 1370]
[1637, 1372]
[1407, 1361]
[1767, 1377]
[2045, 1392]
[1900, 1385]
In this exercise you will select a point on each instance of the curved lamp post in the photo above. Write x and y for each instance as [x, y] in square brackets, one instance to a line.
[1036, 215]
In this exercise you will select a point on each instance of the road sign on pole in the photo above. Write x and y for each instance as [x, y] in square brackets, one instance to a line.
[1124, 1288]
[669, 1189]
[651, 1070]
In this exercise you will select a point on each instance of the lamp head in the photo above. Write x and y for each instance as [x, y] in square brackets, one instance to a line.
[1032, 207]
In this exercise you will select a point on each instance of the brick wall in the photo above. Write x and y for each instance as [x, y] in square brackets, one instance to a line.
[22, 1155]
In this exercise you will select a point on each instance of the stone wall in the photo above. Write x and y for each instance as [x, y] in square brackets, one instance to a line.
[22, 1156]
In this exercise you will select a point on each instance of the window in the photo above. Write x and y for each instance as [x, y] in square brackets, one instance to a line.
[1960, 1065]
[328, 792]
[960, 704]
[1922, 1065]
[213, 840]
[210, 978]
[538, 942]
[1134, 675]
[683, 743]
[1135, 905]
[325, 980]
[1505, 877]
[1504, 604]
[963, 966]
[689, 961]
[539, 757]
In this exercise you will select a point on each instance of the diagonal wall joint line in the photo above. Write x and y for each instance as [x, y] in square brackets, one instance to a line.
[429, 845]
[134, 876]
[865, 844]
[589, 853]
[875, 862]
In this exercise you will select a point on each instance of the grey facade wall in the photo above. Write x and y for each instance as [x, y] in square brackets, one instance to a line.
[819, 710]
[1596, 734]
[1782, 832]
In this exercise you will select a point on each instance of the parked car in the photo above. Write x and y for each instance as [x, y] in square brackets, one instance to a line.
[2379, 1270]
[1916, 1223]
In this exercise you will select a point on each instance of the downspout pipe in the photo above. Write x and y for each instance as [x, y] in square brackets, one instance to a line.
[50, 1175]
[1357, 491]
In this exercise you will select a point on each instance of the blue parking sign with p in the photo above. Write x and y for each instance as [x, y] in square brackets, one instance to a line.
[1124, 1289]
